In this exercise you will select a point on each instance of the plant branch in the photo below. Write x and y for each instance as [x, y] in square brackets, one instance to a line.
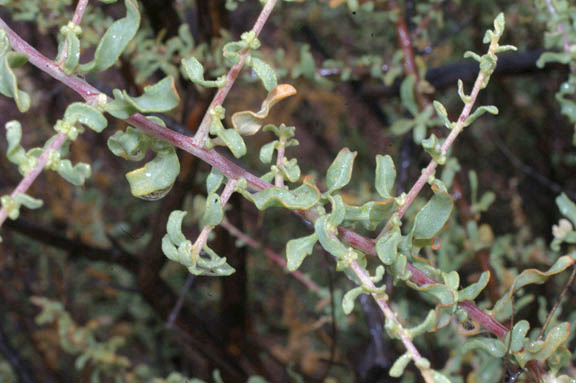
[180, 302]
[405, 40]
[206, 230]
[558, 302]
[29, 179]
[391, 316]
[226, 166]
[76, 20]
[79, 12]
[202, 133]
[272, 255]
[431, 168]
[367, 246]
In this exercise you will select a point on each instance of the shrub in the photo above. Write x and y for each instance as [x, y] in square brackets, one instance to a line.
[463, 285]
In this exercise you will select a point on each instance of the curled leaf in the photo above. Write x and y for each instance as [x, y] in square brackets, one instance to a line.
[15, 152]
[198, 261]
[338, 212]
[465, 98]
[156, 178]
[559, 57]
[517, 336]
[442, 114]
[160, 97]
[86, 115]
[76, 174]
[471, 292]
[397, 369]
[372, 213]
[174, 227]
[527, 277]
[427, 325]
[8, 80]
[349, 298]
[298, 249]
[328, 239]
[193, 70]
[130, 144]
[211, 264]
[541, 350]
[248, 123]
[303, 197]
[12, 204]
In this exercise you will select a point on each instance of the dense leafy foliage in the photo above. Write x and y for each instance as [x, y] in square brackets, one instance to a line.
[463, 286]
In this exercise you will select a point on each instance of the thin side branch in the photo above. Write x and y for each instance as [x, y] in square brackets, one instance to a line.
[29, 179]
[79, 12]
[431, 168]
[201, 134]
[392, 317]
[76, 20]
[272, 255]
[206, 230]
[226, 166]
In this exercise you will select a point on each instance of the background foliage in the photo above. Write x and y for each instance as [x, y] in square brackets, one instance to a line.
[88, 295]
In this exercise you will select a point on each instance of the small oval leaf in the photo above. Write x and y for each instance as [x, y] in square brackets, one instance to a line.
[340, 171]
[432, 217]
[298, 249]
[385, 176]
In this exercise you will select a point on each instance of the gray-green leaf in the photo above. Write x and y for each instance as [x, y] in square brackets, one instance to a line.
[385, 176]
[567, 207]
[115, 40]
[340, 171]
[213, 213]
[298, 249]
[265, 73]
[432, 218]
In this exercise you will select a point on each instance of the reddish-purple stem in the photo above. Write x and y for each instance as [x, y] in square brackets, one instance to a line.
[200, 136]
[227, 167]
[431, 168]
[79, 12]
[29, 179]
